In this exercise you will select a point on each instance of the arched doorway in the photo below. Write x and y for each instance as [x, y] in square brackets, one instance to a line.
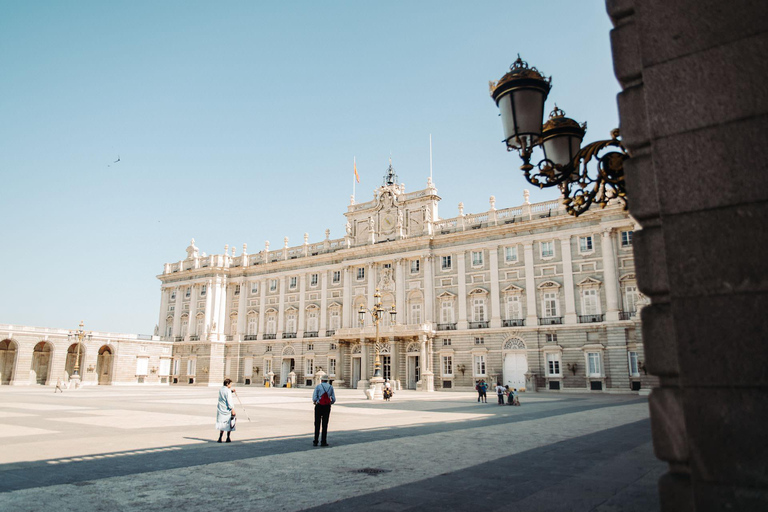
[104, 365]
[289, 364]
[8, 351]
[413, 366]
[41, 362]
[357, 365]
[72, 357]
[515, 363]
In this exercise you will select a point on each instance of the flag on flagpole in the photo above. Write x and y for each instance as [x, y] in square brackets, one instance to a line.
[354, 166]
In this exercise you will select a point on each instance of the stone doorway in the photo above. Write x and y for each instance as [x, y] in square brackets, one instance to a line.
[8, 352]
[41, 362]
[104, 365]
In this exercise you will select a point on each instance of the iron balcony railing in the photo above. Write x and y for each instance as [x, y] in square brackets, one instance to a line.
[178, 338]
[330, 332]
[513, 322]
[478, 325]
[289, 335]
[446, 327]
[270, 336]
[194, 337]
[551, 320]
[588, 319]
[627, 315]
[251, 337]
[310, 334]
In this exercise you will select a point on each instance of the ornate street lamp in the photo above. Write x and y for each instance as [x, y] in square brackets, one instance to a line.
[377, 313]
[79, 335]
[520, 95]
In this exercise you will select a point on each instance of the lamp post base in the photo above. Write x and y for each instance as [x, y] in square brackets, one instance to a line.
[377, 383]
[74, 381]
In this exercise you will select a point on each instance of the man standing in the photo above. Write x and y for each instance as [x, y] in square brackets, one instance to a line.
[500, 392]
[323, 398]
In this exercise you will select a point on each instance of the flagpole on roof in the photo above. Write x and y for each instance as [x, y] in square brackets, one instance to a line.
[430, 158]
[354, 177]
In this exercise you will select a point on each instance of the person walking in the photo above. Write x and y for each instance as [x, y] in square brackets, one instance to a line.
[225, 411]
[323, 398]
[515, 400]
[500, 392]
[479, 390]
[484, 391]
[58, 386]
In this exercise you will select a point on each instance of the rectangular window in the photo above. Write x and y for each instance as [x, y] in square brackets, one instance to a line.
[252, 324]
[553, 364]
[585, 244]
[165, 367]
[415, 313]
[336, 276]
[290, 323]
[446, 342]
[446, 312]
[311, 322]
[188, 292]
[191, 366]
[272, 285]
[176, 364]
[360, 273]
[446, 263]
[142, 365]
[335, 319]
[479, 366]
[513, 307]
[478, 310]
[634, 369]
[477, 258]
[626, 238]
[447, 365]
[173, 295]
[591, 305]
[310, 346]
[271, 329]
[551, 338]
[479, 341]
[547, 249]
[237, 289]
[313, 280]
[203, 290]
[267, 365]
[550, 304]
[510, 254]
[593, 361]
[292, 282]
[332, 367]
[630, 299]
[254, 287]
[415, 266]
[309, 368]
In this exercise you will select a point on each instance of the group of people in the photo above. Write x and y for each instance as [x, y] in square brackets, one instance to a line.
[323, 397]
[501, 392]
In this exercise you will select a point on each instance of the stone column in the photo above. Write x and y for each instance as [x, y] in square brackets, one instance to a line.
[346, 308]
[493, 256]
[429, 290]
[462, 298]
[208, 309]
[364, 371]
[242, 308]
[281, 308]
[427, 377]
[371, 290]
[177, 313]
[611, 281]
[262, 306]
[192, 311]
[568, 291]
[324, 305]
[402, 317]
[340, 365]
[531, 317]
[161, 324]
[302, 295]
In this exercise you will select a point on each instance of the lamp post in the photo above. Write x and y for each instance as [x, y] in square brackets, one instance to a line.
[520, 95]
[377, 313]
[78, 335]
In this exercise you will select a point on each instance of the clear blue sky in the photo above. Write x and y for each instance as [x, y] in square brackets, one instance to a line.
[236, 122]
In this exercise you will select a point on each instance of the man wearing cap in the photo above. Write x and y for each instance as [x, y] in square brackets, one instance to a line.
[323, 398]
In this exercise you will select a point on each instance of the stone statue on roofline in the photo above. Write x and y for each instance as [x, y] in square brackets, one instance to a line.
[192, 251]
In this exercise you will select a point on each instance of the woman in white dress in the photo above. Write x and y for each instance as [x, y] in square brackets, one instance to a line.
[225, 410]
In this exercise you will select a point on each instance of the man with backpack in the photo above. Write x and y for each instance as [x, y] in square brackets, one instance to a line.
[323, 398]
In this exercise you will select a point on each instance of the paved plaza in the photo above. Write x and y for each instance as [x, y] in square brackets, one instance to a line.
[132, 448]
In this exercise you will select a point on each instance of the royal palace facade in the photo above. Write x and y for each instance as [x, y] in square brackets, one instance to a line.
[528, 296]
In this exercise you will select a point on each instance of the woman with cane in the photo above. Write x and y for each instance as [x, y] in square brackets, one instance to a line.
[225, 411]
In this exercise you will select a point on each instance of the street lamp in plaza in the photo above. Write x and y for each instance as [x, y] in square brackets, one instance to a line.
[79, 335]
[377, 313]
[520, 95]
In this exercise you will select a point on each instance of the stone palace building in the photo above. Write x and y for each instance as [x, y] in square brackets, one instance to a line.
[528, 296]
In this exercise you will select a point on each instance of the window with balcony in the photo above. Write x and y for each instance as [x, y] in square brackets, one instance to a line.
[290, 323]
[446, 312]
[549, 305]
[590, 302]
[335, 319]
[630, 298]
[478, 309]
[514, 311]
[415, 313]
[312, 321]
[253, 325]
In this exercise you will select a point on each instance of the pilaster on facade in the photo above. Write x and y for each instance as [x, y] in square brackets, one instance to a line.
[242, 309]
[281, 307]
[568, 288]
[532, 317]
[493, 257]
[302, 308]
[611, 279]
[262, 307]
[462, 299]
[346, 308]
